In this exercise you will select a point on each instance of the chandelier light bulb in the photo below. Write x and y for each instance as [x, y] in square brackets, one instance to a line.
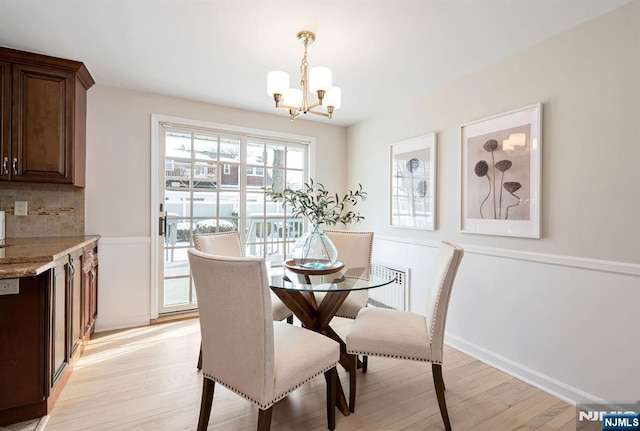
[319, 79]
[277, 82]
[333, 98]
[293, 97]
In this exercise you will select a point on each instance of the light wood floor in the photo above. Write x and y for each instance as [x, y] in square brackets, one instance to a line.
[146, 379]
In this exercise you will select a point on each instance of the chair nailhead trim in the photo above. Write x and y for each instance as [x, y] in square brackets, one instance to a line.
[411, 358]
[278, 398]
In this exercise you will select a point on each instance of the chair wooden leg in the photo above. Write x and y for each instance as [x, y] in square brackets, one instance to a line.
[331, 377]
[264, 419]
[365, 363]
[353, 366]
[200, 358]
[208, 387]
[442, 403]
[290, 320]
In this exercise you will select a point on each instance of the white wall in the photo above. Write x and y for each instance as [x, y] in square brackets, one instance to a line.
[118, 189]
[560, 311]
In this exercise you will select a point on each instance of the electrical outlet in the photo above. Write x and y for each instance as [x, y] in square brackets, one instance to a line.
[9, 286]
[20, 208]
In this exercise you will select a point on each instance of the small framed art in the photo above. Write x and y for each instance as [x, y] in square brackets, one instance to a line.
[413, 183]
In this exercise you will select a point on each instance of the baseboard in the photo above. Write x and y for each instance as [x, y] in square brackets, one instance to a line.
[541, 381]
[131, 323]
[43, 423]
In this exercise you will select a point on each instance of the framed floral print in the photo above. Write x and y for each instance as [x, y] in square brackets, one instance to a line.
[501, 174]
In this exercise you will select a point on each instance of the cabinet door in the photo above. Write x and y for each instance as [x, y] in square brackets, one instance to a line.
[5, 120]
[75, 294]
[22, 343]
[59, 321]
[42, 132]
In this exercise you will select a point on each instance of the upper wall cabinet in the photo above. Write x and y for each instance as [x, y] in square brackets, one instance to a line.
[43, 118]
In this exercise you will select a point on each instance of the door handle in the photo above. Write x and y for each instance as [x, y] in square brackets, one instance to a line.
[162, 225]
[5, 166]
[15, 166]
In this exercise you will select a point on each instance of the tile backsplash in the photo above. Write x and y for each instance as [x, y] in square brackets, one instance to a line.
[52, 210]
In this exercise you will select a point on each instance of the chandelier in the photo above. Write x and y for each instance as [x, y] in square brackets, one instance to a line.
[316, 80]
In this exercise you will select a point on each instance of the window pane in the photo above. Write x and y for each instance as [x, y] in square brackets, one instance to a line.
[178, 231]
[295, 157]
[231, 177]
[205, 204]
[229, 204]
[205, 147]
[178, 203]
[255, 177]
[229, 150]
[176, 262]
[255, 204]
[178, 145]
[295, 179]
[276, 155]
[176, 291]
[275, 179]
[255, 153]
[205, 175]
[177, 173]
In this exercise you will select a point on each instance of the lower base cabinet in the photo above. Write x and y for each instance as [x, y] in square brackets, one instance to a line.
[43, 330]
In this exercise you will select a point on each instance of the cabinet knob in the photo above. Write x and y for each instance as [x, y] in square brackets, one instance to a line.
[5, 166]
[15, 166]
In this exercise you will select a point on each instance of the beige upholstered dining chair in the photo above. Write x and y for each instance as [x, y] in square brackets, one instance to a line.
[228, 244]
[406, 335]
[244, 349]
[354, 250]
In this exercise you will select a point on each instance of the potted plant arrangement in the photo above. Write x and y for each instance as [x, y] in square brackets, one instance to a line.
[314, 250]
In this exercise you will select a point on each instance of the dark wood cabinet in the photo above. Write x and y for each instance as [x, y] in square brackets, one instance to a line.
[5, 120]
[23, 360]
[44, 139]
[43, 330]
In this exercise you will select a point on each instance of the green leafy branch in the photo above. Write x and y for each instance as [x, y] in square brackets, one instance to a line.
[315, 203]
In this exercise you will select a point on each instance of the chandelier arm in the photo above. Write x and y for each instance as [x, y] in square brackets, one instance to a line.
[282, 105]
[322, 114]
[313, 105]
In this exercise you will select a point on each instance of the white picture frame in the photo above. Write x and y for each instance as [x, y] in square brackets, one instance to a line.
[413, 172]
[502, 173]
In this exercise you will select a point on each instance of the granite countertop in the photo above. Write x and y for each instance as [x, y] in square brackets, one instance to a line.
[24, 257]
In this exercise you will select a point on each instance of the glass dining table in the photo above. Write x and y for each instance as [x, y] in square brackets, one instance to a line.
[296, 290]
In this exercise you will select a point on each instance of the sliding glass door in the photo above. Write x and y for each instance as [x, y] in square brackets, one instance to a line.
[214, 181]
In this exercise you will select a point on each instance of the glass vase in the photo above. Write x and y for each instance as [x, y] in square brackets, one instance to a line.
[314, 250]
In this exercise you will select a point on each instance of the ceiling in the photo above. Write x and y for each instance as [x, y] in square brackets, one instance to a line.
[382, 52]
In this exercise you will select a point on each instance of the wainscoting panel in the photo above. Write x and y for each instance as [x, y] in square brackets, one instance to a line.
[124, 283]
[563, 324]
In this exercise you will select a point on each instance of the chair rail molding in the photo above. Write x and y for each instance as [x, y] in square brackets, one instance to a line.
[614, 267]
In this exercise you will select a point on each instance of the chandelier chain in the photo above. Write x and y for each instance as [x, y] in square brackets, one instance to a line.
[305, 62]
